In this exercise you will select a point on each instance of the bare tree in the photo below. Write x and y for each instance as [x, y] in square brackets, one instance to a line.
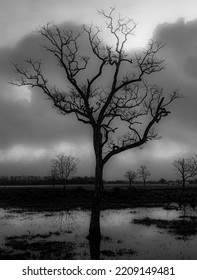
[185, 168]
[131, 176]
[128, 98]
[64, 166]
[144, 173]
[53, 174]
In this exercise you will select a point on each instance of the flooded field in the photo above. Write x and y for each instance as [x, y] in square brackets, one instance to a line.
[140, 233]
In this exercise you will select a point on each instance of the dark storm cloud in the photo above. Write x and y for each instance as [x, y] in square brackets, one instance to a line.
[181, 57]
[181, 39]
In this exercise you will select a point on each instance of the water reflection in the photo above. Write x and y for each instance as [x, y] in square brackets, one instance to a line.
[63, 234]
[66, 221]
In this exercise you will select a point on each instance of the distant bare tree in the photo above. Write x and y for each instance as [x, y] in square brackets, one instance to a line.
[131, 176]
[143, 172]
[64, 166]
[127, 99]
[162, 181]
[186, 168]
[53, 173]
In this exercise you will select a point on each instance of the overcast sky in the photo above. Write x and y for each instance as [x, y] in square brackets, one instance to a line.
[31, 130]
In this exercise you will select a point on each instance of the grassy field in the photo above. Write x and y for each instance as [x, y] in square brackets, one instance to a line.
[53, 199]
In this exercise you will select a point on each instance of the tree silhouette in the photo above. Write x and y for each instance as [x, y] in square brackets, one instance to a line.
[63, 166]
[127, 100]
[53, 174]
[131, 176]
[186, 168]
[143, 173]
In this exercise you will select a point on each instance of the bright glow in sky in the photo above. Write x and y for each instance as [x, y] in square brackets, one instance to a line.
[163, 150]
[20, 93]
[83, 151]
[22, 152]
[19, 17]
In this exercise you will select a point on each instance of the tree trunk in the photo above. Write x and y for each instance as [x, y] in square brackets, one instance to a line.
[144, 183]
[96, 203]
[94, 230]
[184, 183]
[129, 187]
[95, 248]
[94, 235]
[65, 184]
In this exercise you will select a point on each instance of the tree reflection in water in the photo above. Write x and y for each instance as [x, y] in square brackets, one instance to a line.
[95, 244]
[66, 221]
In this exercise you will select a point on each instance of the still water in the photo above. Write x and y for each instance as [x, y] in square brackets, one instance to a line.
[62, 235]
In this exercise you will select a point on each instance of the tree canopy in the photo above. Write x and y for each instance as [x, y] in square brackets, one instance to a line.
[128, 98]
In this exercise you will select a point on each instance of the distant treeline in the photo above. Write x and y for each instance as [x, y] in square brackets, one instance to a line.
[43, 180]
[48, 180]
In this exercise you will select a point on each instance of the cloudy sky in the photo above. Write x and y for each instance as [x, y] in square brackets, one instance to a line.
[31, 130]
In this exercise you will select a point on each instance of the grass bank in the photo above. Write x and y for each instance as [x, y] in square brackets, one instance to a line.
[55, 199]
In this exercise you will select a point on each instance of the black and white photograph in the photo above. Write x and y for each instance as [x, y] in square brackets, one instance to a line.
[98, 130]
